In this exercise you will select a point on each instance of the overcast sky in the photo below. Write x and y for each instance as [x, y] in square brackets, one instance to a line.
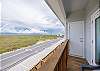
[32, 13]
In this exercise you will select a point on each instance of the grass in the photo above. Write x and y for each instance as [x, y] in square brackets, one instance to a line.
[10, 43]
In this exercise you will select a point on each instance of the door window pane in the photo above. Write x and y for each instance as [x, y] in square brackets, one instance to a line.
[97, 40]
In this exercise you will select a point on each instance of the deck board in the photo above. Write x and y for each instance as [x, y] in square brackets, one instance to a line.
[74, 63]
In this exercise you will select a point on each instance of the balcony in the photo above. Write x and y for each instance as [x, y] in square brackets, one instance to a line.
[79, 45]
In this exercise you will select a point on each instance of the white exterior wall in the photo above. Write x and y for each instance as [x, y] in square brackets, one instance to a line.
[76, 33]
[66, 31]
[88, 47]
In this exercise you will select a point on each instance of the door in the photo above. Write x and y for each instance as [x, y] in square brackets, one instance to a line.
[95, 19]
[76, 33]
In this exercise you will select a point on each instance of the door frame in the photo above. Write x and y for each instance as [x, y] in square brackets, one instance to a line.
[95, 15]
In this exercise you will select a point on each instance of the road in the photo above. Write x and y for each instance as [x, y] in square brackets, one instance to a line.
[11, 59]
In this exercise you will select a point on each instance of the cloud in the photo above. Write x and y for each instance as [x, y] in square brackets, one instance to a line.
[18, 27]
[0, 16]
[35, 31]
[35, 14]
[25, 10]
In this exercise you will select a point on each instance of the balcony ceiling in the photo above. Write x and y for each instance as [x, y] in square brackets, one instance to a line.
[72, 10]
[74, 5]
[63, 8]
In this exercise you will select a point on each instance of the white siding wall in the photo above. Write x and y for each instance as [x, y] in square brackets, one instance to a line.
[88, 30]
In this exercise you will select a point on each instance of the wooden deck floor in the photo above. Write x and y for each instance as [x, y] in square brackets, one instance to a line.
[74, 63]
